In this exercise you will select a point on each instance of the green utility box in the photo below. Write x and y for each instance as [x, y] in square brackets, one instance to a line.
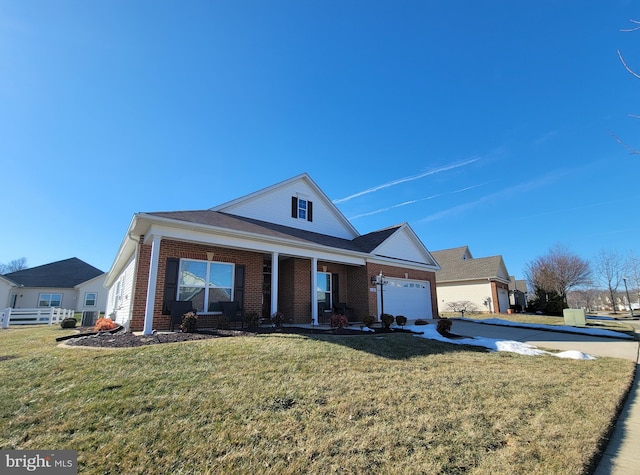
[574, 317]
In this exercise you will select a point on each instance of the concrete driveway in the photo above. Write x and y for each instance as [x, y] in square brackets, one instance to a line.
[552, 340]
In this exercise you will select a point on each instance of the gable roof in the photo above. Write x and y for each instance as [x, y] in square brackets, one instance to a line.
[252, 224]
[63, 274]
[455, 265]
[250, 205]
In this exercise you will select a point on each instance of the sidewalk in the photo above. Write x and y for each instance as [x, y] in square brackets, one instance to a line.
[622, 456]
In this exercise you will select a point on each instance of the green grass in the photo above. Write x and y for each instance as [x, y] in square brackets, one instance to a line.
[292, 404]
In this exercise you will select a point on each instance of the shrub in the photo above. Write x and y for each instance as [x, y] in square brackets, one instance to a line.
[387, 320]
[444, 325]
[401, 320]
[189, 323]
[277, 319]
[251, 319]
[338, 321]
[369, 320]
[104, 324]
[69, 322]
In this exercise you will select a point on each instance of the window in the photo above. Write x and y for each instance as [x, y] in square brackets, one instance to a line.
[119, 293]
[205, 283]
[90, 299]
[301, 208]
[324, 289]
[50, 300]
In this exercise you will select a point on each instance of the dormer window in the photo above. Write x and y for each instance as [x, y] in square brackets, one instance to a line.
[301, 208]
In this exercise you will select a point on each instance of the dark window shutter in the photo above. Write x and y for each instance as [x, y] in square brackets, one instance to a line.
[335, 288]
[309, 211]
[238, 286]
[294, 207]
[170, 284]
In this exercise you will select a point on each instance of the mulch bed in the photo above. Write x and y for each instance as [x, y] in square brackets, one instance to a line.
[123, 339]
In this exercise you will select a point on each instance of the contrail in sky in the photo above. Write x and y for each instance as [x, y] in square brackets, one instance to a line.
[405, 203]
[406, 179]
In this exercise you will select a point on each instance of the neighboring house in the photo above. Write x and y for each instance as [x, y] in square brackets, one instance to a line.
[70, 284]
[482, 281]
[517, 293]
[286, 248]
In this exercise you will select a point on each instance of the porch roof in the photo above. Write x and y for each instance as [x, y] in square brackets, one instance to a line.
[365, 243]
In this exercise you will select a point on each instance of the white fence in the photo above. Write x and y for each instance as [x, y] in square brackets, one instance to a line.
[34, 316]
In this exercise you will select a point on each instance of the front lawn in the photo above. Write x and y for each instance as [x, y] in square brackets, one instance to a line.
[283, 403]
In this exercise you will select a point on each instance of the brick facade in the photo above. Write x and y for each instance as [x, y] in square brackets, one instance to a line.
[294, 289]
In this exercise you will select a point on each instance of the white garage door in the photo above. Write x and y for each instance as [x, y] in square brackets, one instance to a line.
[411, 298]
[503, 300]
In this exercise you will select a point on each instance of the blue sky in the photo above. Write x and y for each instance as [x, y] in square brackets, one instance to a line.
[484, 124]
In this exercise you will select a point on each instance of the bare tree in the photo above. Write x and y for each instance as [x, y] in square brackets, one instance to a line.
[462, 306]
[635, 27]
[632, 269]
[609, 268]
[558, 271]
[13, 266]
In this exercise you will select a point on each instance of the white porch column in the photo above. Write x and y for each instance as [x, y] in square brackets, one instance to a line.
[151, 286]
[314, 290]
[274, 282]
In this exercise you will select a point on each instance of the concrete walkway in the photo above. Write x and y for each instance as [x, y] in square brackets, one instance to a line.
[622, 455]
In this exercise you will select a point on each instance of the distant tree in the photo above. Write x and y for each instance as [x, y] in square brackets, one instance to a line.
[462, 306]
[557, 272]
[13, 266]
[635, 27]
[633, 273]
[609, 268]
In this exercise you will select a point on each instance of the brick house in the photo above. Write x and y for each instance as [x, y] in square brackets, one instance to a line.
[285, 248]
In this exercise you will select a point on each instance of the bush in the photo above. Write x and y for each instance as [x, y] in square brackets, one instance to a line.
[189, 323]
[368, 321]
[104, 324]
[387, 320]
[444, 326]
[69, 322]
[338, 321]
[401, 320]
[251, 319]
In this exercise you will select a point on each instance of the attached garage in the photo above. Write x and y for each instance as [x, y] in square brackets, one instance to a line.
[503, 300]
[411, 298]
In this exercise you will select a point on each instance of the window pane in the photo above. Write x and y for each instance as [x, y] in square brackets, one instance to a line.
[324, 282]
[90, 299]
[219, 295]
[193, 273]
[44, 300]
[195, 294]
[56, 300]
[221, 275]
[302, 209]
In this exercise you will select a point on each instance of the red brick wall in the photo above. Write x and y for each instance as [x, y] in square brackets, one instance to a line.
[184, 250]
[294, 290]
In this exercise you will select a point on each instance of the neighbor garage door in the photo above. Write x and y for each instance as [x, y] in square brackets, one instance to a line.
[411, 298]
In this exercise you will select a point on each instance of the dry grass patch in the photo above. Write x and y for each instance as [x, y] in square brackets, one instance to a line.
[295, 404]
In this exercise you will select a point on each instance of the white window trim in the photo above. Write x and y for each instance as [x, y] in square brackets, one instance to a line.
[206, 287]
[50, 294]
[95, 299]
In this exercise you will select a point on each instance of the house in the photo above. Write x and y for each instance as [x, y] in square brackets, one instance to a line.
[517, 293]
[484, 281]
[285, 248]
[71, 284]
